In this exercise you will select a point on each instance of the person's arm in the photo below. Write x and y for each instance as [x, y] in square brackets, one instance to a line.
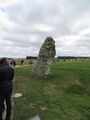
[13, 74]
[0, 75]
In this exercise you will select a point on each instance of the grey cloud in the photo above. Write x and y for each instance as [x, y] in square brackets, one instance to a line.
[62, 15]
[84, 43]
[65, 13]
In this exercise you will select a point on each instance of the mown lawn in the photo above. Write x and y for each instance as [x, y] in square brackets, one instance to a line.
[65, 95]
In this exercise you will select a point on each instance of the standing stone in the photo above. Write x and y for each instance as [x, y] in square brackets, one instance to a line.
[45, 58]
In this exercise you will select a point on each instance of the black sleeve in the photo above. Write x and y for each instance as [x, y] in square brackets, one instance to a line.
[12, 74]
[0, 75]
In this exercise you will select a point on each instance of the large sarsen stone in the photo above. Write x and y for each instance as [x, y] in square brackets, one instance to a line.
[45, 58]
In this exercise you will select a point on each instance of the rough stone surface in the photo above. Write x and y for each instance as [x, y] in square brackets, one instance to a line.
[45, 58]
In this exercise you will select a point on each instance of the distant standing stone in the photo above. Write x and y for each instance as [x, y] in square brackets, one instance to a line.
[45, 58]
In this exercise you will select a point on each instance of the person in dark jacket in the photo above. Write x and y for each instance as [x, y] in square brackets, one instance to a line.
[6, 86]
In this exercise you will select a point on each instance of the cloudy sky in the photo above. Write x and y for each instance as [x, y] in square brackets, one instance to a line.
[24, 25]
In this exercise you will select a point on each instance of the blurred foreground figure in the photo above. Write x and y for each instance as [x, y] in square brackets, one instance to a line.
[6, 86]
[11, 62]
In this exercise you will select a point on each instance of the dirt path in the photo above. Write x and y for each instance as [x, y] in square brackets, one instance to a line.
[21, 66]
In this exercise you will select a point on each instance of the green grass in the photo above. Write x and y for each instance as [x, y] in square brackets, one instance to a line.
[65, 95]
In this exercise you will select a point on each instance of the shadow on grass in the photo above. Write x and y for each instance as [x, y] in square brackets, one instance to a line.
[76, 89]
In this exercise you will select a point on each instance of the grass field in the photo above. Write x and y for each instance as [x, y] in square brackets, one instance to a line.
[65, 95]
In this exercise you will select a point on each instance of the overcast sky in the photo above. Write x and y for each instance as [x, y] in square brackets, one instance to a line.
[24, 25]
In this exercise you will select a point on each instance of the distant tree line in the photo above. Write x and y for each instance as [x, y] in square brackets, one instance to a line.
[59, 57]
[31, 57]
[72, 57]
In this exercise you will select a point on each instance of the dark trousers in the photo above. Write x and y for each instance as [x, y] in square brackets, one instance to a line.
[5, 95]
